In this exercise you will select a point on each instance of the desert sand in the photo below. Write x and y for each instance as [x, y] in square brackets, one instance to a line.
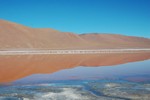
[16, 36]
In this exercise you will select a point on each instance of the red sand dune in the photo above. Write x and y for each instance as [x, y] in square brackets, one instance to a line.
[16, 36]
[116, 41]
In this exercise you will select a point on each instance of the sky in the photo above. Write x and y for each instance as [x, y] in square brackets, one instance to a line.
[127, 17]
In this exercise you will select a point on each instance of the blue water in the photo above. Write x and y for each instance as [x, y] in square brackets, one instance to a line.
[117, 72]
[93, 83]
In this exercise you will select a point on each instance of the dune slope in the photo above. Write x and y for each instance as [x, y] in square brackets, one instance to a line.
[116, 41]
[16, 36]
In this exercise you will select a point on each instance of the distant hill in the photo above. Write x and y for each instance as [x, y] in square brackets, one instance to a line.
[116, 41]
[16, 36]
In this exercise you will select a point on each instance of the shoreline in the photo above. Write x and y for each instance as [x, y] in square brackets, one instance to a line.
[97, 51]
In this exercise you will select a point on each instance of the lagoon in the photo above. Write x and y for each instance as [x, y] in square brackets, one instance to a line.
[75, 77]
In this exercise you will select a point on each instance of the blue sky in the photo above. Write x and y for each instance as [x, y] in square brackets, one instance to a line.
[128, 17]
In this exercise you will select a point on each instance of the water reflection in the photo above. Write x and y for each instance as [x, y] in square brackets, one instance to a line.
[16, 67]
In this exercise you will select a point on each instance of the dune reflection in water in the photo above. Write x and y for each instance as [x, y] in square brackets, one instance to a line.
[16, 67]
